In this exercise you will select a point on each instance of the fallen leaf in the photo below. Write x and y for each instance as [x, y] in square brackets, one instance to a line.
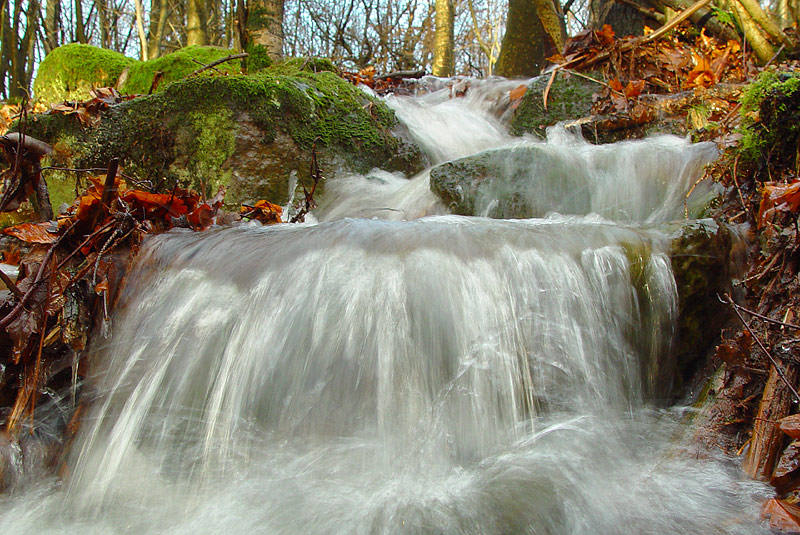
[32, 232]
[781, 516]
[790, 425]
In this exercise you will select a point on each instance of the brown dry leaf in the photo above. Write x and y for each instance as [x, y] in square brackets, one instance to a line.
[787, 465]
[32, 232]
[702, 74]
[263, 211]
[605, 35]
[516, 94]
[778, 197]
[615, 84]
[634, 88]
[790, 425]
[781, 515]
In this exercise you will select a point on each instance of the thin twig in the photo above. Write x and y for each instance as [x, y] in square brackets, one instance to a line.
[727, 299]
[763, 317]
[219, 61]
[10, 285]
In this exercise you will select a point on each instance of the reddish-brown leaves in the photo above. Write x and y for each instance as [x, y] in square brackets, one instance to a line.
[778, 198]
[33, 232]
[791, 426]
[781, 515]
[88, 111]
[262, 211]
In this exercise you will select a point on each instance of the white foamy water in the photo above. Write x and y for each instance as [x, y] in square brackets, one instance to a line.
[441, 375]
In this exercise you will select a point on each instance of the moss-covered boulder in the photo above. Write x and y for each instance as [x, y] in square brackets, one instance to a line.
[771, 119]
[70, 71]
[251, 133]
[570, 97]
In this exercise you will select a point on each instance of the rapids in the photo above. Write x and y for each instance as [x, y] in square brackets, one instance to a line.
[395, 369]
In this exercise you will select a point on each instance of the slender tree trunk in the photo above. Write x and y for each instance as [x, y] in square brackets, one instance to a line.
[752, 32]
[158, 21]
[51, 19]
[764, 21]
[102, 17]
[80, 32]
[534, 31]
[196, 31]
[443, 64]
[265, 25]
[22, 54]
[5, 46]
[140, 30]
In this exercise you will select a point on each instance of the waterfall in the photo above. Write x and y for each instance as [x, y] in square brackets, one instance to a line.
[442, 374]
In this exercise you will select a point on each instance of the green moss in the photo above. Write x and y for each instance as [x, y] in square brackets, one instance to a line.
[70, 71]
[570, 97]
[258, 58]
[294, 66]
[191, 124]
[178, 65]
[771, 118]
[207, 140]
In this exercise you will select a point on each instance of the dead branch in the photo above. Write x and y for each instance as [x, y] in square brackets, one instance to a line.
[308, 202]
[778, 368]
[218, 62]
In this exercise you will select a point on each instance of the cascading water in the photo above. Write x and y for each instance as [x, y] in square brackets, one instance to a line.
[440, 375]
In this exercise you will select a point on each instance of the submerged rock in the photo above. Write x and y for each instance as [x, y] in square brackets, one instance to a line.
[631, 181]
[246, 132]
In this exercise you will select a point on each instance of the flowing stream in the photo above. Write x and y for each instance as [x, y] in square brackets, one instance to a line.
[395, 369]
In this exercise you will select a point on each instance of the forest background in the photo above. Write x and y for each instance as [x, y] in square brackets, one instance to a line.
[445, 37]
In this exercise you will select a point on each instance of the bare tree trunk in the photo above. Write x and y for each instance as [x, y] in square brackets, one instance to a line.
[534, 31]
[764, 21]
[752, 32]
[158, 22]
[22, 60]
[51, 19]
[5, 46]
[102, 16]
[265, 25]
[196, 31]
[443, 63]
[80, 32]
[140, 30]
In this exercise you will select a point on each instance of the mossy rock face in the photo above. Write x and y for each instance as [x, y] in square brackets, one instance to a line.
[70, 71]
[570, 97]
[247, 132]
[703, 257]
[771, 118]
